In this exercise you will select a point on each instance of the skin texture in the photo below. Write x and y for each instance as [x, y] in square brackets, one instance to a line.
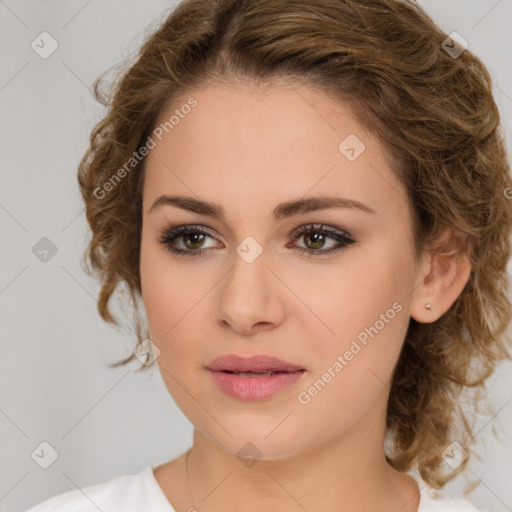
[249, 148]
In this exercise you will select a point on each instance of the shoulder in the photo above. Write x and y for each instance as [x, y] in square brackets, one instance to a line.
[107, 496]
[448, 505]
[432, 501]
[125, 493]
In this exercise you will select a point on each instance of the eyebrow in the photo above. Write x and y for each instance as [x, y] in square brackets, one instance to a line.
[282, 210]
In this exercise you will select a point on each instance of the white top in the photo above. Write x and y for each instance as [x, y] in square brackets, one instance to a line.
[136, 493]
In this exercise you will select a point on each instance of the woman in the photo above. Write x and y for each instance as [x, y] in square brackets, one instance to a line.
[310, 200]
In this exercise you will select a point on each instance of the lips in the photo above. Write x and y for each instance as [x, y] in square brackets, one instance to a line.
[253, 378]
[258, 364]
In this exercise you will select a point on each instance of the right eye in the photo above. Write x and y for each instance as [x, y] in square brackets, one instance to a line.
[191, 236]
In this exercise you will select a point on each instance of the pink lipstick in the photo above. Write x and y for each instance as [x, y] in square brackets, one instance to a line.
[253, 378]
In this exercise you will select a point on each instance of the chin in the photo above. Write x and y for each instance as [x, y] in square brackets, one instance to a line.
[256, 443]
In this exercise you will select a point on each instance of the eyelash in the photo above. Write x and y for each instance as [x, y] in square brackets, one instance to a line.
[344, 238]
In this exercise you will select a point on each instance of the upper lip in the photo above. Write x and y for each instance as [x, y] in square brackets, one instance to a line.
[257, 363]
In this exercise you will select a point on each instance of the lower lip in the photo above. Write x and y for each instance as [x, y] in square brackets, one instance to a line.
[254, 388]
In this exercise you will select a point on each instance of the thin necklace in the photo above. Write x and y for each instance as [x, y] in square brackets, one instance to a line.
[188, 476]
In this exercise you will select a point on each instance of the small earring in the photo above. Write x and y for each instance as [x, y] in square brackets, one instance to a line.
[428, 306]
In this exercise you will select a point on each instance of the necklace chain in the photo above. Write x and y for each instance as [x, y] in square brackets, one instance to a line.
[188, 476]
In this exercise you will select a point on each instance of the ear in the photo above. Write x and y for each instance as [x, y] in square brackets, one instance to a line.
[443, 272]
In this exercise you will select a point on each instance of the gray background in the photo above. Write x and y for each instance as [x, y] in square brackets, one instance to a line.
[54, 385]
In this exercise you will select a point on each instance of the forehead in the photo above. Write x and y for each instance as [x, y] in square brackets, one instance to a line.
[258, 142]
[243, 116]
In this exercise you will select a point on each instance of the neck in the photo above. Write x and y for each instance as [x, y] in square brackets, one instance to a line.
[348, 472]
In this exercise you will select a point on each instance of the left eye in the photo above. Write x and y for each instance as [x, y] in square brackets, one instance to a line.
[193, 237]
[317, 234]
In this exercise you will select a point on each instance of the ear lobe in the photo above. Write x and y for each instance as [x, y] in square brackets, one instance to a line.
[444, 273]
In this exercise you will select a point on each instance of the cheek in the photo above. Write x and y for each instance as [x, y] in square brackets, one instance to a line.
[165, 293]
[175, 296]
[365, 305]
[157, 292]
[366, 309]
[169, 305]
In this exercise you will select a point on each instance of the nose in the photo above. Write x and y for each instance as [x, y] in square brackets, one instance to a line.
[250, 297]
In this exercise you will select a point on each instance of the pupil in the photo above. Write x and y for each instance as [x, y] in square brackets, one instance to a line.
[191, 235]
[318, 239]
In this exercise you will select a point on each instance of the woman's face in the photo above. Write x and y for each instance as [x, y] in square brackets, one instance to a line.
[250, 284]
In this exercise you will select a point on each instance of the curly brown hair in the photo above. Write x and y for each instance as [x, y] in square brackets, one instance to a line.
[432, 109]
